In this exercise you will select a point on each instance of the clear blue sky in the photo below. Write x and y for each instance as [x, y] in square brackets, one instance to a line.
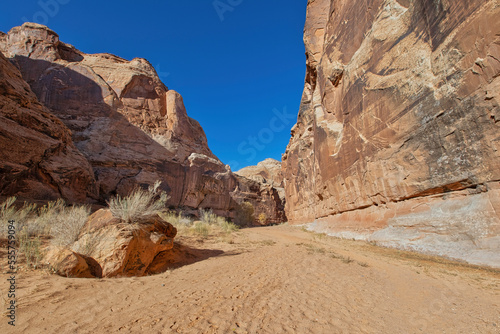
[240, 67]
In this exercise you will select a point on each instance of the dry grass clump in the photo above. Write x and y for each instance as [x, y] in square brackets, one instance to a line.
[46, 217]
[209, 224]
[139, 204]
[20, 216]
[268, 242]
[315, 249]
[181, 223]
[68, 224]
[210, 218]
[56, 221]
[207, 216]
[216, 223]
[228, 227]
[177, 219]
[201, 229]
[30, 247]
[62, 223]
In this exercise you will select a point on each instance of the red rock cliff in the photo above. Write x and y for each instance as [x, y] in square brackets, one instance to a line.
[398, 134]
[130, 127]
[38, 160]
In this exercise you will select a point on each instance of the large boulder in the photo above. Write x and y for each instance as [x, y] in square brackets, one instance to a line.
[67, 263]
[397, 137]
[124, 249]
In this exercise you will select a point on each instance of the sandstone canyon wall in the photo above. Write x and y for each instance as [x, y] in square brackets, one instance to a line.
[38, 160]
[398, 133]
[266, 172]
[129, 126]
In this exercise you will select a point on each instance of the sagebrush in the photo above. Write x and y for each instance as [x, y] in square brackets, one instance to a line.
[208, 223]
[139, 204]
[68, 225]
[55, 221]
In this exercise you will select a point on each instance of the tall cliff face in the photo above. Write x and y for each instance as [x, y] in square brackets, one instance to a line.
[38, 160]
[130, 127]
[397, 138]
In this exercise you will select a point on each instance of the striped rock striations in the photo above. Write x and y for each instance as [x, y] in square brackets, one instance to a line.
[398, 134]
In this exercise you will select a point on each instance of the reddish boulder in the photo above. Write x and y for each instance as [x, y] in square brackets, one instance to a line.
[66, 263]
[124, 249]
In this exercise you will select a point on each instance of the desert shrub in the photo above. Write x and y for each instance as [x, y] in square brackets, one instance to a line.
[46, 217]
[184, 220]
[139, 204]
[207, 216]
[209, 224]
[228, 227]
[55, 219]
[24, 220]
[31, 248]
[218, 223]
[68, 224]
[262, 218]
[172, 217]
[244, 214]
[9, 212]
[28, 229]
[211, 218]
[180, 222]
[202, 229]
[7, 209]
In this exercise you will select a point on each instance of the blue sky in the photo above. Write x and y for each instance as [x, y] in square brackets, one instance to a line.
[239, 64]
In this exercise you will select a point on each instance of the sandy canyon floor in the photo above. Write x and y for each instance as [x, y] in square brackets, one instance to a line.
[278, 279]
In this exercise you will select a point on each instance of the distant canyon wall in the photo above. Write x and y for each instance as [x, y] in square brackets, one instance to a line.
[398, 133]
[127, 126]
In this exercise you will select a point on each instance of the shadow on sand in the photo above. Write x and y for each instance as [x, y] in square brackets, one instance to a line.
[182, 255]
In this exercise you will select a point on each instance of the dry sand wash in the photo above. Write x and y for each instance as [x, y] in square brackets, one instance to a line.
[270, 280]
